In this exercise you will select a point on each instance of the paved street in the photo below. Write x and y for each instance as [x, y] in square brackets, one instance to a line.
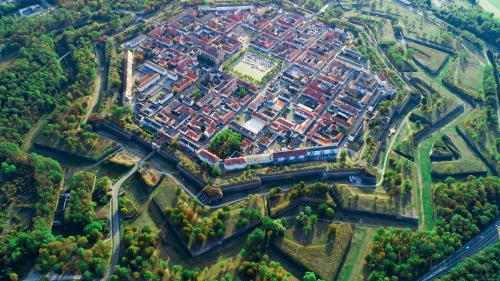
[479, 242]
[115, 215]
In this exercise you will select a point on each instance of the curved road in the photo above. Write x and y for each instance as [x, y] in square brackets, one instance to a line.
[115, 215]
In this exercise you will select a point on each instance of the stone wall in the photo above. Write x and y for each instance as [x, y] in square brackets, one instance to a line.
[241, 186]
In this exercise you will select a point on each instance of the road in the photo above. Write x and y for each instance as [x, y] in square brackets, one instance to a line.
[479, 242]
[115, 215]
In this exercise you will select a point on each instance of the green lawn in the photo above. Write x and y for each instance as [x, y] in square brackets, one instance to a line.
[492, 6]
[414, 25]
[386, 32]
[467, 163]
[425, 191]
[353, 267]
[316, 251]
[466, 75]
[431, 58]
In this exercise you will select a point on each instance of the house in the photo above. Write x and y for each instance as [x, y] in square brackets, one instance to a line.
[146, 81]
[136, 41]
[290, 156]
[237, 163]
[208, 157]
[156, 68]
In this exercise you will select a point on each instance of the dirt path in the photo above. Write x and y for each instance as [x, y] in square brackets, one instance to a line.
[33, 132]
[420, 185]
[98, 87]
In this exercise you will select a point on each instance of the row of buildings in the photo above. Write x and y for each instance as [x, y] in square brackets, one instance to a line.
[319, 98]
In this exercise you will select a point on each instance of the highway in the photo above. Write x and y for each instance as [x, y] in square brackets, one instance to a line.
[476, 244]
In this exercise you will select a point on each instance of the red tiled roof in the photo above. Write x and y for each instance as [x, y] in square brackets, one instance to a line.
[290, 153]
[209, 156]
[235, 161]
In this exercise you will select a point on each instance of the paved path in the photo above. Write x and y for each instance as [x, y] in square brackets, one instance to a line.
[64, 56]
[115, 215]
[479, 242]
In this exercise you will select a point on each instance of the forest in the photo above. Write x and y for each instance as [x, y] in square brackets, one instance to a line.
[482, 266]
[462, 209]
[475, 20]
[30, 88]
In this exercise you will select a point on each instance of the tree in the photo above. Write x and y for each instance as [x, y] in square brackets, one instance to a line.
[13, 276]
[332, 230]
[343, 156]
[226, 143]
[310, 276]
[8, 168]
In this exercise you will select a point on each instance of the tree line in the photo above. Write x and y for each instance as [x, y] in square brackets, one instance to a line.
[462, 209]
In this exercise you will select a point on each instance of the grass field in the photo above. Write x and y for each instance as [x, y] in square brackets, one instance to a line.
[316, 251]
[468, 162]
[466, 75]
[431, 58]
[150, 215]
[414, 25]
[386, 32]
[425, 191]
[283, 201]
[114, 172]
[404, 141]
[124, 159]
[353, 267]
[365, 200]
[167, 195]
[136, 190]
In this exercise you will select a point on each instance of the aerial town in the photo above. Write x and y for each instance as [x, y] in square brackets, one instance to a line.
[291, 86]
[270, 140]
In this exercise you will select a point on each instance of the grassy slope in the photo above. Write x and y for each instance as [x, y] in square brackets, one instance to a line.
[314, 251]
[352, 270]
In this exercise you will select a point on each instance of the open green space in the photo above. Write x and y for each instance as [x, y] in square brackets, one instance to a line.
[431, 58]
[200, 226]
[318, 251]
[386, 32]
[413, 24]
[466, 76]
[492, 6]
[363, 199]
[468, 163]
[353, 267]
[425, 191]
